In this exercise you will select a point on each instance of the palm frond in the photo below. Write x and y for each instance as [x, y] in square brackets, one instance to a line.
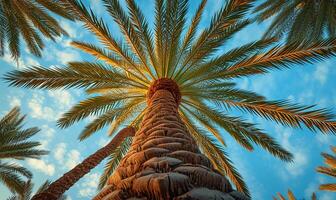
[113, 161]
[289, 114]
[216, 154]
[241, 131]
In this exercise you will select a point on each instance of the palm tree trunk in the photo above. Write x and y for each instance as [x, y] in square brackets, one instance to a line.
[57, 188]
[164, 161]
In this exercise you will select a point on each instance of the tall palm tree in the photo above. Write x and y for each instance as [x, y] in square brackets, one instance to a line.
[330, 170]
[28, 191]
[25, 18]
[177, 89]
[291, 196]
[299, 20]
[14, 145]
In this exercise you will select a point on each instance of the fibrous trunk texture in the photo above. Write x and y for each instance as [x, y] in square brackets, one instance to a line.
[57, 188]
[164, 161]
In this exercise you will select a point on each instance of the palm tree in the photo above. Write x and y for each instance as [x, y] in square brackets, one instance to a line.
[177, 90]
[14, 144]
[58, 187]
[25, 18]
[299, 20]
[330, 160]
[28, 191]
[291, 196]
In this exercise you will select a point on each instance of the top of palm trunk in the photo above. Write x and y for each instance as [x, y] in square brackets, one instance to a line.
[164, 84]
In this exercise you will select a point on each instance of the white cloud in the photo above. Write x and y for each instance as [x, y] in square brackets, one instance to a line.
[263, 85]
[89, 185]
[18, 64]
[41, 165]
[62, 97]
[68, 159]
[297, 167]
[73, 159]
[14, 101]
[321, 73]
[103, 142]
[59, 152]
[69, 28]
[66, 56]
[31, 62]
[46, 136]
[39, 111]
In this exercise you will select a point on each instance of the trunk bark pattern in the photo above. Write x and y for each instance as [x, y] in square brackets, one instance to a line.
[57, 188]
[164, 161]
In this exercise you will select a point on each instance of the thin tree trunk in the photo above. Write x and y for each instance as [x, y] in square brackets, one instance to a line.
[164, 161]
[57, 188]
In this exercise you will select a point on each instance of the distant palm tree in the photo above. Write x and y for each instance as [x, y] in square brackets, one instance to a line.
[292, 197]
[14, 144]
[330, 160]
[177, 89]
[28, 191]
[299, 20]
[25, 18]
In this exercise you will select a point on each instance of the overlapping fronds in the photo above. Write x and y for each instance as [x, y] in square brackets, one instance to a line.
[192, 57]
[27, 193]
[14, 144]
[216, 153]
[113, 161]
[291, 196]
[26, 18]
[299, 20]
[330, 170]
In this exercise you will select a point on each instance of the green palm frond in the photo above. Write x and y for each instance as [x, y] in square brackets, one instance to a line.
[329, 170]
[26, 18]
[113, 161]
[298, 20]
[118, 82]
[15, 144]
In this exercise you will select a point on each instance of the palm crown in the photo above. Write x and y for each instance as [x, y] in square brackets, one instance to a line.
[300, 19]
[14, 145]
[25, 18]
[123, 76]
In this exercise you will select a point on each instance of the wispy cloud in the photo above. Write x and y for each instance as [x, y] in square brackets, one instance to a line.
[42, 166]
[89, 185]
[321, 73]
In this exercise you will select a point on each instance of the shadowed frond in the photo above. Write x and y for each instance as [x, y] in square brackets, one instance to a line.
[27, 193]
[14, 144]
[298, 20]
[26, 18]
[113, 161]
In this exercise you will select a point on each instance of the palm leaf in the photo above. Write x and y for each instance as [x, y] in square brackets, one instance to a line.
[113, 161]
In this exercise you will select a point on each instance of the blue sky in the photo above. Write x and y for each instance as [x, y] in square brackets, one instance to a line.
[264, 174]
